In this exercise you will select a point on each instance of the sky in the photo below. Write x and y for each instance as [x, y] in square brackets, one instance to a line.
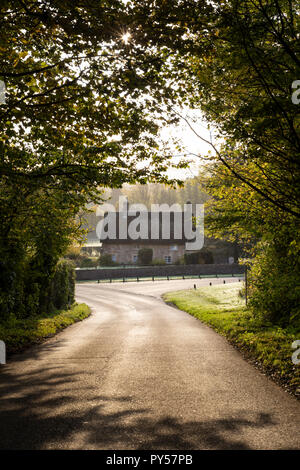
[191, 143]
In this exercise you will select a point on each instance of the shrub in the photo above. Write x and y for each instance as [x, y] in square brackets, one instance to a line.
[274, 284]
[88, 263]
[62, 285]
[199, 257]
[33, 283]
[73, 252]
[158, 262]
[106, 260]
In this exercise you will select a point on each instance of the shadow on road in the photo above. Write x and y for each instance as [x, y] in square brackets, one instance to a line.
[49, 408]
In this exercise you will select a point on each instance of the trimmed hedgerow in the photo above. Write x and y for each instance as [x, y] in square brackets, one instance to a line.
[21, 333]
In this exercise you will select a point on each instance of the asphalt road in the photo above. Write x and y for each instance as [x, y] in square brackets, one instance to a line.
[139, 374]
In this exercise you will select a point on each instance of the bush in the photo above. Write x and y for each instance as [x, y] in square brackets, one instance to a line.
[158, 262]
[88, 263]
[106, 260]
[21, 333]
[62, 286]
[30, 293]
[73, 252]
[145, 256]
[12, 278]
[274, 284]
[179, 261]
[75, 255]
[199, 257]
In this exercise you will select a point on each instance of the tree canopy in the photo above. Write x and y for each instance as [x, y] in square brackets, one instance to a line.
[82, 111]
[89, 86]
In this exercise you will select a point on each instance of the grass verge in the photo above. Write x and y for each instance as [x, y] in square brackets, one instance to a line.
[268, 346]
[19, 334]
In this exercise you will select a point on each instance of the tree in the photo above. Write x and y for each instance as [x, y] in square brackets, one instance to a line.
[240, 59]
[236, 61]
[156, 193]
[82, 111]
[84, 106]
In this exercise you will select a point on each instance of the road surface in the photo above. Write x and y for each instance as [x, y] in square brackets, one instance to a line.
[139, 374]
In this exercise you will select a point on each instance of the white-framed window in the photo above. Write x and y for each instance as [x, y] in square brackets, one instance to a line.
[113, 258]
[168, 259]
[135, 258]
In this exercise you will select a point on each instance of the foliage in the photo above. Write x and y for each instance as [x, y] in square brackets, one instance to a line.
[72, 87]
[63, 285]
[274, 282]
[156, 193]
[203, 256]
[158, 262]
[106, 260]
[82, 111]
[145, 256]
[240, 62]
[87, 262]
[267, 343]
[73, 253]
[272, 237]
[80, 258]
[31, 292]
[21, 333]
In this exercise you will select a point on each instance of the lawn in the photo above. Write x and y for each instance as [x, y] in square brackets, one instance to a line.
[267, 345]
[19, 334]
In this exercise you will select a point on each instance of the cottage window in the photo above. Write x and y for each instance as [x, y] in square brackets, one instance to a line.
[168, 259]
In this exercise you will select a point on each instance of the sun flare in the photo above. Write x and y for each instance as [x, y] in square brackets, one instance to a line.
[126, 37]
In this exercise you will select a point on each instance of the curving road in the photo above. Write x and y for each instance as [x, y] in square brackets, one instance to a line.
[139, 374]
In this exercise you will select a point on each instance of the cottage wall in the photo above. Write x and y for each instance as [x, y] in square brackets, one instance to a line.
[123, 253]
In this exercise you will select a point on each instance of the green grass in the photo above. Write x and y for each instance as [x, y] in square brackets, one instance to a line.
[222, 308]
[19, 334]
